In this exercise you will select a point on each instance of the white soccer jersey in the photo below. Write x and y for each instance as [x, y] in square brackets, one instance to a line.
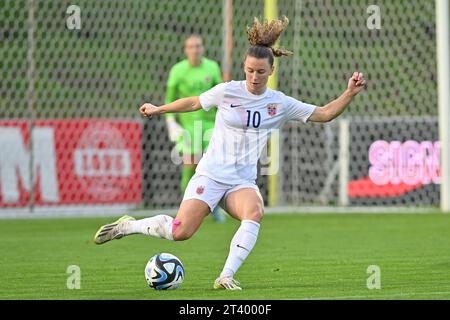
[244, 122]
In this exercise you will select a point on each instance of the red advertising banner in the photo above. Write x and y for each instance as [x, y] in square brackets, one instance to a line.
[84, 161]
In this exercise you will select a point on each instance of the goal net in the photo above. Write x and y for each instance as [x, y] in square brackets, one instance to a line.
[74, 75]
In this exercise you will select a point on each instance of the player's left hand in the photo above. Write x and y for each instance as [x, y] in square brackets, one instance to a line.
[356, 83]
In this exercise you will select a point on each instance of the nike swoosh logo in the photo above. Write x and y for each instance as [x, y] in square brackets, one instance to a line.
[242, 247]
[235, 105]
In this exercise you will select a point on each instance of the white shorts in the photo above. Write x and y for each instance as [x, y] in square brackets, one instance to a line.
[212, 192]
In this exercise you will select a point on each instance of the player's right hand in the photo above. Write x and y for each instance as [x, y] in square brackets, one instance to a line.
[175, 130]
[148, 110]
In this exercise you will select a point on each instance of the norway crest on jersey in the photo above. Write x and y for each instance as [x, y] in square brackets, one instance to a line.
[272, 109]
[200, 190]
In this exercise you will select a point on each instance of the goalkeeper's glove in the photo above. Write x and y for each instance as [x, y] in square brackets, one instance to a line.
[175, 130]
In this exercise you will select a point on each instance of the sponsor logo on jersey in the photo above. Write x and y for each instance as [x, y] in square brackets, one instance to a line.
[272, 109]
[200, 190]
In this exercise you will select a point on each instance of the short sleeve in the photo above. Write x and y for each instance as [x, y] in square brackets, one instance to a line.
[212, 97]
[297, 110]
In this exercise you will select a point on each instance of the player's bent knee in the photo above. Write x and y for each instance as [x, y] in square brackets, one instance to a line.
[255, 215]
[181, 235]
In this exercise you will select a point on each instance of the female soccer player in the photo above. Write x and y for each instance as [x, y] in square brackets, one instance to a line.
[191, 77]
[247, 113]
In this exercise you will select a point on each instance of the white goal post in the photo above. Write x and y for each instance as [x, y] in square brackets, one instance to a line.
[443, 70]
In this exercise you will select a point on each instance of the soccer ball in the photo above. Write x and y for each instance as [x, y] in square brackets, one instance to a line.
[164, 271]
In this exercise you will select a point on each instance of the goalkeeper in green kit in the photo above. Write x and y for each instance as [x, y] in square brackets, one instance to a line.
[192, 131]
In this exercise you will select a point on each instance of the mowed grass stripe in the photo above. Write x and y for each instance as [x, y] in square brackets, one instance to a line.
[296, 257]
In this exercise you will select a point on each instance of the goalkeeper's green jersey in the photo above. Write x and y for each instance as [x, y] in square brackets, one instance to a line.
[186, 80]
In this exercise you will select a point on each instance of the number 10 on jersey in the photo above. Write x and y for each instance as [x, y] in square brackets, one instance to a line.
[254, 120]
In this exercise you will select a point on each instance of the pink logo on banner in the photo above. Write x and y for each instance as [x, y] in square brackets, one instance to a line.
[398, 168]
[410, 162]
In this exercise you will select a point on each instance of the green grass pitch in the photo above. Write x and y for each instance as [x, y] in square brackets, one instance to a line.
[323, 256]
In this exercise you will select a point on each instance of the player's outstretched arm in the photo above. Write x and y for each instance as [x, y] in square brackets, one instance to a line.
[333, 109]
[181, 105]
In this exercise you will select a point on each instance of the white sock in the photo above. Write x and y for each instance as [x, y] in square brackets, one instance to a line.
[159, 226]
[241, 245]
